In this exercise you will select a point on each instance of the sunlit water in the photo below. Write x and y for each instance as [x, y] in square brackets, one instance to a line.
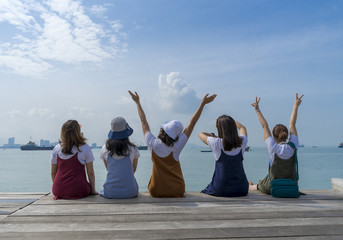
[29, 171]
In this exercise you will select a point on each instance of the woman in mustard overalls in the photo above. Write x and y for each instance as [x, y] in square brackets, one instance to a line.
[166, 178]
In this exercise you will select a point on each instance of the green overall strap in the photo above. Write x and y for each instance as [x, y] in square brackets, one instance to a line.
[295, 161]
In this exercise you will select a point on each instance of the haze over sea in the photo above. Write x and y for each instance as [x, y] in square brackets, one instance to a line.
[29, 171]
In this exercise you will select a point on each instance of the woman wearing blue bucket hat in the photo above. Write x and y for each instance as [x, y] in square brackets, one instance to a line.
[120, 157]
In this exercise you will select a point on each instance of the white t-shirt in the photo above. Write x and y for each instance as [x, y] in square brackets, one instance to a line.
[216, 145]
[85, 154]
[163, 150]
[133, 153]
[283, 150]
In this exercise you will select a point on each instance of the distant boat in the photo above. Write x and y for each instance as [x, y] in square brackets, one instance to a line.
[341, 145]
[301, 145]
[206, 150]
[247, 148]
[31, 146]
[140, 147]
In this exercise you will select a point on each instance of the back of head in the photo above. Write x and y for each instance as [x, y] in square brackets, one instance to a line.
[166, 139]
[227, 130]
[118, 137]
[120, 147]
[71, 136]
[280, 133]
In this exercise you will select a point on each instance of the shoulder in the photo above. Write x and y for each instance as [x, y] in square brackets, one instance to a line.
[104, 152]
[182, 138]
[294, 139]
[244, 139]
[134, 151]
[57, 148]
[85, 147]
[214, 141]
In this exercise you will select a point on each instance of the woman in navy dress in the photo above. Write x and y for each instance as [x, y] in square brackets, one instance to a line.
[229, 179]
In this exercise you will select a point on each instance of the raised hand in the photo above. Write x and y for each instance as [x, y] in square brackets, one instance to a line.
[209, 99]
[298, 100]
[255, 104]
[134, 97]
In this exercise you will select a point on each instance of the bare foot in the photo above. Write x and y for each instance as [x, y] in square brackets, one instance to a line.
[252, 187]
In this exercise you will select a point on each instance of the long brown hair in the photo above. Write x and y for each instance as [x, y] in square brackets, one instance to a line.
[227, 130]
[280, 133]
[71, 136]
[166, 139]
[119, 146]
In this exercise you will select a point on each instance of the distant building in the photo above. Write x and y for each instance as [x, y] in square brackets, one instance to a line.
[44, 143]
[11, 143]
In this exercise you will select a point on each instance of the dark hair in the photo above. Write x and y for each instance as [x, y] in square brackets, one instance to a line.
[166, 139]
[227, 130]
[71, 136]
[280, 133]
[119, 146]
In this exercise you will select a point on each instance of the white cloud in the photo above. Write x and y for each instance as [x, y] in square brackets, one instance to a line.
[57, 30]
[98, 10]
[76, 112]
[15, 114]
[175, 94]
[41, 113]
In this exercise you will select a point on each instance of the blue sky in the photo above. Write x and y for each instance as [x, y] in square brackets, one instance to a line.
[65, 59]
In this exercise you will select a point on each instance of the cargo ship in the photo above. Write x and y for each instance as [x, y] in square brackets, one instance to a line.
[340, 145]
[31, 146]
[141, 147]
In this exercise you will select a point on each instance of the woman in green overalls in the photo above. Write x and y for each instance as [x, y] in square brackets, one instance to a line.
[282, 155]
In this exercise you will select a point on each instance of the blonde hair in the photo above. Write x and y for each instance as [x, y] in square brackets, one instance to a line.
[71, 136]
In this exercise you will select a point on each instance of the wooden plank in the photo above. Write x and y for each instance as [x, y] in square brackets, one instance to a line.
[154, 217]
[170, 225]
[205, 233]
[182, 207]
[145, 197]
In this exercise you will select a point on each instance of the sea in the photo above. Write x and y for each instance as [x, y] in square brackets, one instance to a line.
[29, 171]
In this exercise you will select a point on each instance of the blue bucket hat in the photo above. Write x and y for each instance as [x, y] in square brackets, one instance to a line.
[120, 129]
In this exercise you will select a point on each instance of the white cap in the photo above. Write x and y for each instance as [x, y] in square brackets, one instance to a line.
[173, 128]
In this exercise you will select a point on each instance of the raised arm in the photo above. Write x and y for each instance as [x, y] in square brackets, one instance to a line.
[141, 114]
[264, 124]
[189, 129]
[242, 129]
[293, 120]
[204, 135]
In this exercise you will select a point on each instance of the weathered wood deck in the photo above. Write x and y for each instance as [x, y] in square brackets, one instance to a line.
[318, 215]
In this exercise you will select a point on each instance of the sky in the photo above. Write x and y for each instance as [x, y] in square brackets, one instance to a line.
[66, 59]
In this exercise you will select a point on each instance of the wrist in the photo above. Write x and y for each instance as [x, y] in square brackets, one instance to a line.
[257, 110]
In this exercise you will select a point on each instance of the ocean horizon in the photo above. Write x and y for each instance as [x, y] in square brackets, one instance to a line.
[29, 171]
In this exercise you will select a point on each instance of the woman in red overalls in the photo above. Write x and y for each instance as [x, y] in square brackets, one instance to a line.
[68, 162]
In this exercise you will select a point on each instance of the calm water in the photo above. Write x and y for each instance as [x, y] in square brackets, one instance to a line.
[29, 171]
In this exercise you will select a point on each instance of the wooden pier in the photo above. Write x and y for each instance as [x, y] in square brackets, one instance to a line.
[317, 215]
